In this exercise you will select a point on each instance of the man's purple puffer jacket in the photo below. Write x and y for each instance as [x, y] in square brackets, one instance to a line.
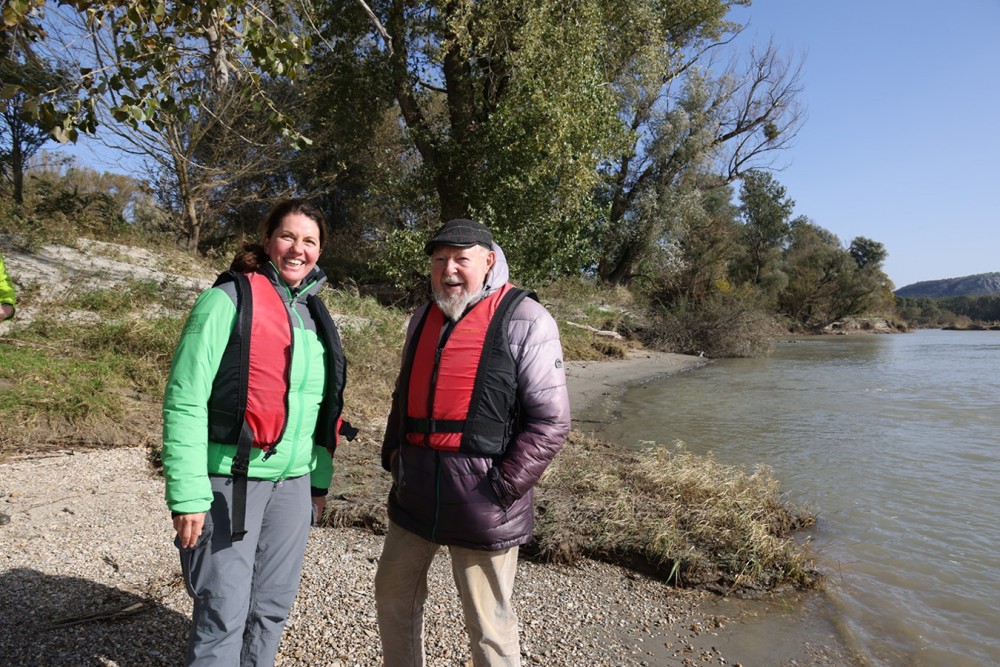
[475, 501]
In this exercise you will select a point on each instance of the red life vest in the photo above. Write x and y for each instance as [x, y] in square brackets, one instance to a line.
[270, 365]
[250, 392]
[462, 384]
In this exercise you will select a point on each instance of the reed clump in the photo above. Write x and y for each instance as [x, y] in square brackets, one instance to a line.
[682, 517]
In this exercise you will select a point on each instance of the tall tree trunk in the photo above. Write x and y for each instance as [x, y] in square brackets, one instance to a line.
[17, 173]
[190, 223]
[450, 184]
[193, 225]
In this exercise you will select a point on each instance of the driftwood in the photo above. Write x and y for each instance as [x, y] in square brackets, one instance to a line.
[596, 332]
[106, 614]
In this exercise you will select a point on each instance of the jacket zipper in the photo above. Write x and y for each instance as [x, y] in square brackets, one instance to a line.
[448, 327]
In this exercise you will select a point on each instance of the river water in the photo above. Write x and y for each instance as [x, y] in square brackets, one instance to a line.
[894, 441]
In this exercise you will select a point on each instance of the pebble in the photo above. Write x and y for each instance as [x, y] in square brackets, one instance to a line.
[91, 533]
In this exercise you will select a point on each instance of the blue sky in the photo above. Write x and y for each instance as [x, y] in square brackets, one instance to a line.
[903, 126]
[902, 135]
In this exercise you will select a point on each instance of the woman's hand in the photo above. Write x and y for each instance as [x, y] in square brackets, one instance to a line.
[188, 527]
[318, 505]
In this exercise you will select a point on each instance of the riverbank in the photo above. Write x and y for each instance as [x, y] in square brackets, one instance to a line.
[101, 544]
[792, 628]
[593, 385]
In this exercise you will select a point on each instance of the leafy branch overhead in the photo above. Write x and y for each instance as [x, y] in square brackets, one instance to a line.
[164, 58]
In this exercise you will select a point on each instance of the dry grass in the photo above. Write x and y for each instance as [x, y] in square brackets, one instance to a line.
[685, 518]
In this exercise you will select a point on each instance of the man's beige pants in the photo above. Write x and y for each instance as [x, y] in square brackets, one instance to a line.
[485, 581]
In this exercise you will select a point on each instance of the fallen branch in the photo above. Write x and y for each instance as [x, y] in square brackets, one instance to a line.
[110, 614]
[596, 332]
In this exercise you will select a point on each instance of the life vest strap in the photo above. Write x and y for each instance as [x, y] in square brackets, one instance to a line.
[241, 466]
[422, 426]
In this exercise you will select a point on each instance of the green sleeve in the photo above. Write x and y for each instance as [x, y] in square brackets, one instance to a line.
[322, 474]
[6, 286]
[185, 401]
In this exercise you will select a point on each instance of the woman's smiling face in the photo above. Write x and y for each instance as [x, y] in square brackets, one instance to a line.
[294, 247]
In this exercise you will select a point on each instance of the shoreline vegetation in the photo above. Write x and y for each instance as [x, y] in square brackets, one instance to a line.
[93, 346]
[84, 364]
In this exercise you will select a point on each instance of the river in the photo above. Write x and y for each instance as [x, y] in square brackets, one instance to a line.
[894, 442]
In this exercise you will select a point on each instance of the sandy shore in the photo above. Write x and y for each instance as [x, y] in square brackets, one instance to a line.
[594, 384]
[89, 534]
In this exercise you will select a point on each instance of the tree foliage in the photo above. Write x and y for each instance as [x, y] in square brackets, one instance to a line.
[148, 75]
[684, 121]
[595, 137]
[506, 106]
[20, 135]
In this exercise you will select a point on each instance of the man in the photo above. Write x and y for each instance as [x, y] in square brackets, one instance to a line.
[480, 409]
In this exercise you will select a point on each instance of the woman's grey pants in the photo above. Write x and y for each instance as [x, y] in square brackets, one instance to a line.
[244, 590]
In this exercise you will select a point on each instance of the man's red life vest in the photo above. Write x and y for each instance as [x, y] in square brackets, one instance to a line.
[461, 378]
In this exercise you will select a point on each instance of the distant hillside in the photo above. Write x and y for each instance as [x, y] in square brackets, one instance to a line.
[983, 284]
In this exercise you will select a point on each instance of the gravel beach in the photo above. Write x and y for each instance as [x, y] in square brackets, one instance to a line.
[89, 576]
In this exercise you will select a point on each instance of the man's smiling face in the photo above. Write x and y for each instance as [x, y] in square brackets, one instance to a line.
[457, 276]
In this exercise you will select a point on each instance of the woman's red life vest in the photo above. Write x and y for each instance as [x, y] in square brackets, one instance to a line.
[461, 378]
[250, 391]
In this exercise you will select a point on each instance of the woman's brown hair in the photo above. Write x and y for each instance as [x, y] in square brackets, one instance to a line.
[252, 255]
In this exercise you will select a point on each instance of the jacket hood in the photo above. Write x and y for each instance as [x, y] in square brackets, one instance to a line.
[499, 275]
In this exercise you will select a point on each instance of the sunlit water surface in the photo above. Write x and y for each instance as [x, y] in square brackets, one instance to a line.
[893, 441]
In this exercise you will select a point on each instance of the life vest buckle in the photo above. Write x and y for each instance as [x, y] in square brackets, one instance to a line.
[241, 465]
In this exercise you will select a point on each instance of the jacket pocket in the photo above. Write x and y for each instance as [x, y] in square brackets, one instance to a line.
[503, 498]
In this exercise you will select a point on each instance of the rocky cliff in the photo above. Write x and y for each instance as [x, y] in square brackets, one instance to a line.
[982, 284]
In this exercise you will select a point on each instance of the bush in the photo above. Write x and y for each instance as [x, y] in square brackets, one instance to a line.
[725, 325]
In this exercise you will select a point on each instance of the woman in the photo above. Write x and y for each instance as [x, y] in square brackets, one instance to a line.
[250, 409]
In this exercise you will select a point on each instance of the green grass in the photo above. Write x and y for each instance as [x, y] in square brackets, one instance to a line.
[38, 381]
[79, 372]
[373, 337]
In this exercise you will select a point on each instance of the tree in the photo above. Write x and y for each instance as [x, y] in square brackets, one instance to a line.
[506, 104]
[815, 264]
[766, 212]
[867, 252]
[826, 282]
[169, 75]
[870, 288]
[167, 91]
[727, 124]
[707, 241]
[245, 40]
[20, 137]
[82, 200]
